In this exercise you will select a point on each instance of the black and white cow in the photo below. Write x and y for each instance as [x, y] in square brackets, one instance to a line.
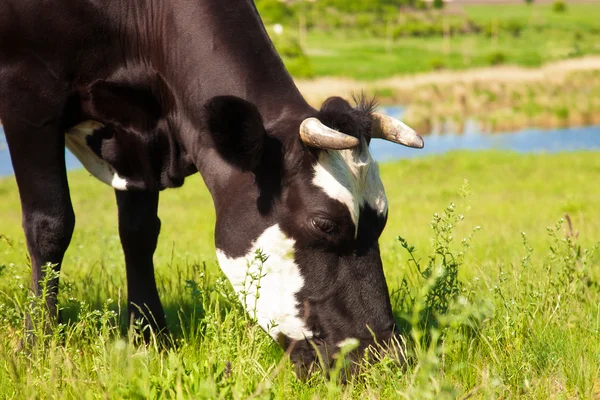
[147, 92]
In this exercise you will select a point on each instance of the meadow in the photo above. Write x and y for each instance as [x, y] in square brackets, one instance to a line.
[375, 46]
[509, 66]
[500, 99]
[513, 309]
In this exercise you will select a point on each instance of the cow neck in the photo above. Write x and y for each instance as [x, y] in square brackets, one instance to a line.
[215, 48]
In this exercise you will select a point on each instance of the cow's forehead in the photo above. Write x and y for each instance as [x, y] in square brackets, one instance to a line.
[351, 177]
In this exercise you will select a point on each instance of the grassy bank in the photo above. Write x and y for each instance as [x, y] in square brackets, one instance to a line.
[525, 323]
[559, 101]
[510, 66]
[501, 98]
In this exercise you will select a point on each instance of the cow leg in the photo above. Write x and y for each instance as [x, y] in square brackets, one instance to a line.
[139, 227]
[38, 158]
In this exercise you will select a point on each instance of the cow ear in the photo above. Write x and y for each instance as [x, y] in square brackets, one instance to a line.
[237, 130]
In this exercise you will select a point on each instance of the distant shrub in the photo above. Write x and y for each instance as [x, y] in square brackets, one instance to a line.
[559, 6]
[470, 26]
[437, 64]
[420, 5]
[490, 96]
[562, 113]
[419, 28]
[512, 26]
[296, 61]
[530, 109]
[365, 21]
[488, 30]
[332, 19]
[438, 4]
[496, 58]
[384, 92]
[275, 11]
[531, 59]
[299, 67]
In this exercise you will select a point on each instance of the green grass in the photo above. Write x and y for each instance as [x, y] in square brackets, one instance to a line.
[544, 36]
[525, 323]
[577, 16]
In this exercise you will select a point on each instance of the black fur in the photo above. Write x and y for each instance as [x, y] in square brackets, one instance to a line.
[237, 130]
[363, 104]
[337, 113]
[180, 87]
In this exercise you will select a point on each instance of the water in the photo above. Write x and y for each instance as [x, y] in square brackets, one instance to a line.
[5, 163]
[525, 141]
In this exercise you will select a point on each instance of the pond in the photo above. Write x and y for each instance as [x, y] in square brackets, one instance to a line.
[526, 141]
[523, 141]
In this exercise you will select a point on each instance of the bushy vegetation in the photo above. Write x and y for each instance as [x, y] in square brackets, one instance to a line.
[293, 55]
[377, 39]
[559, 6]
[503, 100]
[569, 100]
[487, 310]
[372, 16]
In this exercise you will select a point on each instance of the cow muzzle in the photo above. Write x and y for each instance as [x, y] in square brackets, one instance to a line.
[346, 357]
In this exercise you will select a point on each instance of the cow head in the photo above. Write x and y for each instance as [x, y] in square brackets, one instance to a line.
[305, 193]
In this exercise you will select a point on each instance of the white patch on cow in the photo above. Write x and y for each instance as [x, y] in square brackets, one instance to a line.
[75, 140]
[278, 282]
[351, 177]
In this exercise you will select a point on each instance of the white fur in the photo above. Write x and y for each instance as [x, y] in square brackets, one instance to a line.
[75, 140]
[276, 308]
[351, 177]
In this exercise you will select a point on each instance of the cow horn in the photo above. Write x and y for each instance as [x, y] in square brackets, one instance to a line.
[315, 134]
[388, 128]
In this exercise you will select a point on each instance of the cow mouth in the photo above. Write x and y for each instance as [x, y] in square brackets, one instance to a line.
[317, 354]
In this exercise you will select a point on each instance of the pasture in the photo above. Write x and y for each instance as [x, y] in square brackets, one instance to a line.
[516, 307]
[514, 34]
[371, 45]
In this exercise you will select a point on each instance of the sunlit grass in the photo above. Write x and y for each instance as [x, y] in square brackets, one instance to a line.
[525, 324]
[544, 36]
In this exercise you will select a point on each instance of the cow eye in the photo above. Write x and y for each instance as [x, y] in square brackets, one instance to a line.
[324, 225]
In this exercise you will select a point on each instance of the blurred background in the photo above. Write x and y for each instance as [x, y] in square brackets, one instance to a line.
[507, 96]
[458, 70]
[471, 74]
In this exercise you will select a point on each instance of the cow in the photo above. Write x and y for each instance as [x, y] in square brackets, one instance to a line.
[148, 92]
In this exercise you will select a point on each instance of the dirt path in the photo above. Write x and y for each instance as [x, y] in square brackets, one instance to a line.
[319, 89]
